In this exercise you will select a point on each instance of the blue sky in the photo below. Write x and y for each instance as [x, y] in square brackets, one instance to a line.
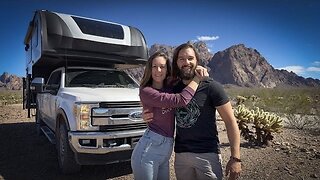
[285, 32]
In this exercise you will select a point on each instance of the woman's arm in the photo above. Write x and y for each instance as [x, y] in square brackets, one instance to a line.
[154, 98]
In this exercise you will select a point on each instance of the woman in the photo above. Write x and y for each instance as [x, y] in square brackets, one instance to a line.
[150, 157]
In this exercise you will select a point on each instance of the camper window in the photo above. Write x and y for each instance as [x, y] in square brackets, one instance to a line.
[98, 28]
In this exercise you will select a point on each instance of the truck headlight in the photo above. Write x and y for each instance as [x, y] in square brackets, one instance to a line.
[82, 112]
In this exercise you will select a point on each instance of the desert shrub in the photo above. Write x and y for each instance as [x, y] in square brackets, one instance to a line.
[302, 111]
[301, 121]
[279, 100]
[300, 107]
[256, 125]
[10, 97]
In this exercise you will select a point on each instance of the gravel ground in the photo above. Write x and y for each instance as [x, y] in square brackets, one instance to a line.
[294, 154]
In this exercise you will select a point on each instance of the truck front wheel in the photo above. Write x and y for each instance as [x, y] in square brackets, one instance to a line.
[66, 158]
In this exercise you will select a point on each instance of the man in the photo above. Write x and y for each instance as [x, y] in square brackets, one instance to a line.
[196, 143]
[197, 154]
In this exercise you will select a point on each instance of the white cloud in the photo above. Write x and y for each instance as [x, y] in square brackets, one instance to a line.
[313, 72]
[207, 38]
[314, 69]
[296, 69]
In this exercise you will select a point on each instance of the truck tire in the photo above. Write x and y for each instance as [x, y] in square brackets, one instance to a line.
[39, 123]
[66, 158]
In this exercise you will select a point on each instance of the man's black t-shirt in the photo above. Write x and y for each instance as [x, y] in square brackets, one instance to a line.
[196, 129]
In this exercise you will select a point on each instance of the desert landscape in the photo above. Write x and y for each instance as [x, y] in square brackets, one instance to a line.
[74, 57]
[293, 154]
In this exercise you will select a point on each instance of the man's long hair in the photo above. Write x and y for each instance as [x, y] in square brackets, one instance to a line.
[175, 68]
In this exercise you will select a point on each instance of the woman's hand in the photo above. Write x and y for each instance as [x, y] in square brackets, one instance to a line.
[201, 72]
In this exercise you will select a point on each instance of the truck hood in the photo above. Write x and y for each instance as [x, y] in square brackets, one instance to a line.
[85, 94]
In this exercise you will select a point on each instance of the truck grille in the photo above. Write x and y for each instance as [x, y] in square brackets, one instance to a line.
[119, 104]
[118, 116]
[123, 127]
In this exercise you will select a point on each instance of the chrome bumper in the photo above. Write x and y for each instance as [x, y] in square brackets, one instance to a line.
[100, 137]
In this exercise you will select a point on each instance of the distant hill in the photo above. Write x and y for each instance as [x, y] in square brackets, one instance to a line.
[237, 65]
[242, 66]
[10, 82]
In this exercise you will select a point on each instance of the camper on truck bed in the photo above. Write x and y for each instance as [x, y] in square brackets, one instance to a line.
[85, 101]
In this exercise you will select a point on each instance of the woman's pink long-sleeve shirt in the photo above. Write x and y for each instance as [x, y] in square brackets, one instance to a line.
[162, 103]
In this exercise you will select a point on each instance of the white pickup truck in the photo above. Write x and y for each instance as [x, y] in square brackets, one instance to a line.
[76, 80]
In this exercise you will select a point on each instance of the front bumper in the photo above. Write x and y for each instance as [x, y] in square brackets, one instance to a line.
[104, 142]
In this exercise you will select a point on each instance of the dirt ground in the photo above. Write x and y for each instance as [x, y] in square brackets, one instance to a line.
[294, 154]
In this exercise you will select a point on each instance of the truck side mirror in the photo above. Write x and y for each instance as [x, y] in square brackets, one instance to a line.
[37, 84]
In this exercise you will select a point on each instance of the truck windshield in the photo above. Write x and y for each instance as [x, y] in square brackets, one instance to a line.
[98, 78]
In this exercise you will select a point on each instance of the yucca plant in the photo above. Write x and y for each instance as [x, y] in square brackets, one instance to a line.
[256, 125]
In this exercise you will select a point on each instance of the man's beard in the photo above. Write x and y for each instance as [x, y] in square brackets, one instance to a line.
[187, 75]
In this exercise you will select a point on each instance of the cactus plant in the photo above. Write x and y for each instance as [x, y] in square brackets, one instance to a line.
[256, 125]
[240, 100]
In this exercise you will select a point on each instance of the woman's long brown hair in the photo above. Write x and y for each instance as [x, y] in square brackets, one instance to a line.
[147, 78]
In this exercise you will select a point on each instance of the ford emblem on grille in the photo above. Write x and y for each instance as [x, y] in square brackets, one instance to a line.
[135, 116]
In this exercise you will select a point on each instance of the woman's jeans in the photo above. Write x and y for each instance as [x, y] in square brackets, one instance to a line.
[150, 157]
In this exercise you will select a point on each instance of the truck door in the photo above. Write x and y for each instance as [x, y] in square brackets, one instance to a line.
[52, 87]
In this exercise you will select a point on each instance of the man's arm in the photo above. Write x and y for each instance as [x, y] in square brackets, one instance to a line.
[233, 166]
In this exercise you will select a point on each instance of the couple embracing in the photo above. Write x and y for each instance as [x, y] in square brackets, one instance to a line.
[186, 98]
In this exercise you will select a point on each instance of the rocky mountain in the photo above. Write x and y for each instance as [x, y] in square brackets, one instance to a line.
[11, 82]
[237, 65]
[244, 66]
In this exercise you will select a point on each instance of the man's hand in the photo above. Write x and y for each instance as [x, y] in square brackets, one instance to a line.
[234, 168]
[201, 72]
[147, 115]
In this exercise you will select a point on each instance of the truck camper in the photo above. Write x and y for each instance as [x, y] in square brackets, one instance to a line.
[76, 81]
